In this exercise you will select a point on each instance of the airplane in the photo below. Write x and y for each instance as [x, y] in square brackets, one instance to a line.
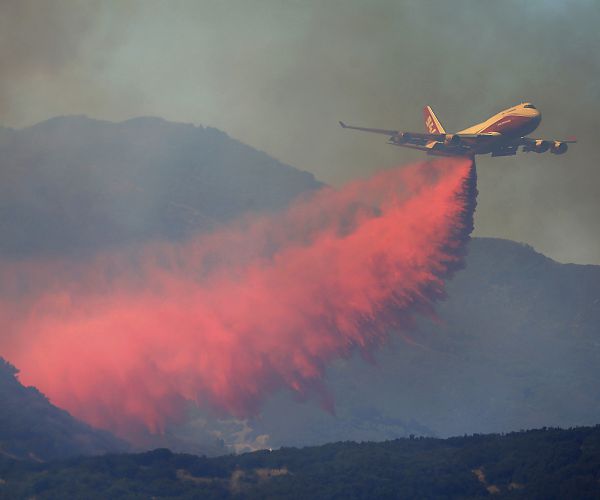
[500, 135]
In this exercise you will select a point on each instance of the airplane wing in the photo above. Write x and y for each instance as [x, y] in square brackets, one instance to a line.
[373, 130]
[432, 143]
[542, 145]
[398, 133]
[532, 140]
[421, 137]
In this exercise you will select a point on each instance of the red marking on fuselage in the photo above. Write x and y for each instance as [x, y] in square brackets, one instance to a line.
[513, 125]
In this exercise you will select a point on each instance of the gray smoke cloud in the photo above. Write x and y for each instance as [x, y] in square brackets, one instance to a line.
[53, 55]
[279, 75]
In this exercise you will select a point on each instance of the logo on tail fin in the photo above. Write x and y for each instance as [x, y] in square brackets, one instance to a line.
[432, 124]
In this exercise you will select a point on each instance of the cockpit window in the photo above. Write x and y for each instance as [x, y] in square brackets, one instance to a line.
[530, 106]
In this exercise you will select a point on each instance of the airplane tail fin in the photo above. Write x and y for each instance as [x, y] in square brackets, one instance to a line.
[432, 124]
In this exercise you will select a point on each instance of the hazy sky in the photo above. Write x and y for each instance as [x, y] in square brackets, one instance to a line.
[278, 75]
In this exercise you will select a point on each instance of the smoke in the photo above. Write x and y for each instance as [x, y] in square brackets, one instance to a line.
[279, 75]
[130, 338]
[53, 55]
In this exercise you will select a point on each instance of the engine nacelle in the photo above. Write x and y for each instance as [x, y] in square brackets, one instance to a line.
[559, 148]
[451, 140]
[401, 137]
[541, 146]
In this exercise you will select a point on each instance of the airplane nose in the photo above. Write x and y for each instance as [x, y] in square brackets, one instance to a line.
[535, 114]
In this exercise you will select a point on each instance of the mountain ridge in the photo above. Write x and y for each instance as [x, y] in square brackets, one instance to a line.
[521, 325]
[75, 185]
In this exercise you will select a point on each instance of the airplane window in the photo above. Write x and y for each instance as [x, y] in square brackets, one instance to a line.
[530, 106]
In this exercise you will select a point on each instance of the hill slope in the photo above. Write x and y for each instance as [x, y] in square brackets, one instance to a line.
[31, 427]
[72, 184]
[518, 346]
[544, 464]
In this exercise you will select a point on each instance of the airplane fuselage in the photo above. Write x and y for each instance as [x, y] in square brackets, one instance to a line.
[505, 126]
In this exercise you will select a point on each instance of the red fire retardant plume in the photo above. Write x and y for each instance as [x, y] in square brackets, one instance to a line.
[129, 338]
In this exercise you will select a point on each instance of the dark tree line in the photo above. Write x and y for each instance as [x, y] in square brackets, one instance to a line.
[544, 464]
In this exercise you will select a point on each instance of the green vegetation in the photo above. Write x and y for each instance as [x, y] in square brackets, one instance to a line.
[546, 463]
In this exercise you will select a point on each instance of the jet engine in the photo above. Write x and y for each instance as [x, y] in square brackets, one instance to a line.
[559, 148]
[541, 146]
[451, 140]
[401, 137]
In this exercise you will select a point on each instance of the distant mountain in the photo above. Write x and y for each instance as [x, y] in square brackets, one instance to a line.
[32, 428]
[543, 464]
[517, 346]
[71, 185]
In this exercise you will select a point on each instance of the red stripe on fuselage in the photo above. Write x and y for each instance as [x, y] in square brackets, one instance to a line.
[514, 125]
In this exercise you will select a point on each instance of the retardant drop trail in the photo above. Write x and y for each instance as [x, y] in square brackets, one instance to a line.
[225, 319]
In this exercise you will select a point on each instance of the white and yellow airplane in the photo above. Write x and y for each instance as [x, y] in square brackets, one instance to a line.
[501, 135]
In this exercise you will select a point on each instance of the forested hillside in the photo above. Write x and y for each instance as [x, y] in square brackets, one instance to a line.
[542, 464]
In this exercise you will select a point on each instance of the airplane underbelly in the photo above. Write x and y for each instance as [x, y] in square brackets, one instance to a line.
[483, 145]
